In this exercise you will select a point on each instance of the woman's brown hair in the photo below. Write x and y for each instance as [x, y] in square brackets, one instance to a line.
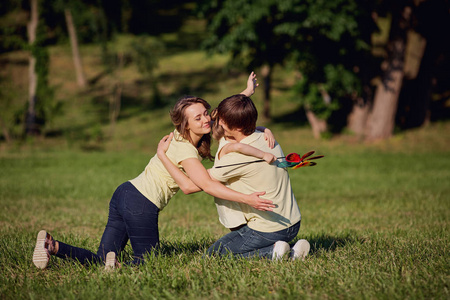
[179, 120]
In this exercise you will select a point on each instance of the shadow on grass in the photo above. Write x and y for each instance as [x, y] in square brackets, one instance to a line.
[318, 243]
[293, 119]
[175, 248]
[329, 243]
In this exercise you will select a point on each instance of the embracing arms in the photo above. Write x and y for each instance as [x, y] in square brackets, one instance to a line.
[198, 179]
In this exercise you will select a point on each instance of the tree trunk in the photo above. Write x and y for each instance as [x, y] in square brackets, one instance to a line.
[81, 79]
[430, 48]
[266, 72]
[318, 126]
[357, 119]
[31, 127]
[381, 120]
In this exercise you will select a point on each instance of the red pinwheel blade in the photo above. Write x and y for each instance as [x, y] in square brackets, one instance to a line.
[304, 164]
[307, 154]
[293, 157]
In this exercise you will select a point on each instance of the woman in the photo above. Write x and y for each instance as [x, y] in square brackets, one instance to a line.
[135, 205]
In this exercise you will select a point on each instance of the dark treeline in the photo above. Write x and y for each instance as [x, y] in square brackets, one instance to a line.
[345, 77]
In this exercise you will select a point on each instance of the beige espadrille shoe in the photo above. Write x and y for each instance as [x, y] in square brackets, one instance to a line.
[41, 256]
[110, 261]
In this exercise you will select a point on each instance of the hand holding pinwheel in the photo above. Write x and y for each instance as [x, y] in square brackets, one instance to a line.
[295, 161]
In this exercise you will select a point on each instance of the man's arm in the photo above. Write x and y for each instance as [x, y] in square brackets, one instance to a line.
[199, 178]
[247, 150]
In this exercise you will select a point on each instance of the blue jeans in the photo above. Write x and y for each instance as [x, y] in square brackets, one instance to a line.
[247, 242]
[131, 217]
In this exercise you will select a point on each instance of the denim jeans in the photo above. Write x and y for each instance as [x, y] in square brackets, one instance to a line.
[131, 217]
[247, 242]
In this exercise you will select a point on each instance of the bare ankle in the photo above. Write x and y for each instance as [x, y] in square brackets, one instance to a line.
[56, 247]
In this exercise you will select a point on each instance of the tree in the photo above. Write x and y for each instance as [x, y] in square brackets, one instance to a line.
[41, 104]
[247, 30]
[81, 79]
[324, 40]
[381, 120]
[31, 127]
[423, 95]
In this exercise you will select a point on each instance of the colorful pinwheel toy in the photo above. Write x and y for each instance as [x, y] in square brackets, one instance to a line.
[295, 161]
[292, 160]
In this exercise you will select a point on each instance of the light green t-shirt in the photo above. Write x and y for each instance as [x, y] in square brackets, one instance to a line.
[259, 177]
[155, 183]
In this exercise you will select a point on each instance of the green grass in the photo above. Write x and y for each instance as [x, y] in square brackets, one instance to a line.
[377, 218]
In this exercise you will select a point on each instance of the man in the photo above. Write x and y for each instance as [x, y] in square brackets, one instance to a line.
[263, 233]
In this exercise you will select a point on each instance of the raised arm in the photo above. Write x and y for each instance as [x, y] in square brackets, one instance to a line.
[251, 85]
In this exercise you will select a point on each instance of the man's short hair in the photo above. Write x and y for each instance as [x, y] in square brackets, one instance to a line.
[238, 112]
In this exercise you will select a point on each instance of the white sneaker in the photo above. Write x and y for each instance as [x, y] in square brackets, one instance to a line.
[41, 256]
[280, 249]
[300, 250]
[110, 261]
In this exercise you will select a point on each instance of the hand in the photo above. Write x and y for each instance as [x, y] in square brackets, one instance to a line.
[259, 203]
[269, 157]
[164, 144]
[269, 137]
[251, 85]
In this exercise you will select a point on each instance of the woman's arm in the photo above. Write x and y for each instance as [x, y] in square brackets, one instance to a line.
[268, 135]
[251, 85]
[247, 150]
[199, 175]
[198, 178]
[185, 183]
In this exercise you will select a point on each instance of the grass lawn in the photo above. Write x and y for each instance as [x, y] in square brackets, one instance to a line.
[377, 218]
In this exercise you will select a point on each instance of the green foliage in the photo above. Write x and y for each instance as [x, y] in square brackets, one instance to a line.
[323, 98]
[146, 53]
[324, 40]
[12, 21]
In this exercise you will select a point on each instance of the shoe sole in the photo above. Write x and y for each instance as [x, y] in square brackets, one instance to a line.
[40, 256]
[301, 250]
[110, 261]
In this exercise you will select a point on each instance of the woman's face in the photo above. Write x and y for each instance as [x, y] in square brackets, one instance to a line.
[199, 120]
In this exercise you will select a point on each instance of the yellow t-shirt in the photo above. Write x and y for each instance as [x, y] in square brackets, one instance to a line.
[155, 183]
[259, 177]
[230, 213]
